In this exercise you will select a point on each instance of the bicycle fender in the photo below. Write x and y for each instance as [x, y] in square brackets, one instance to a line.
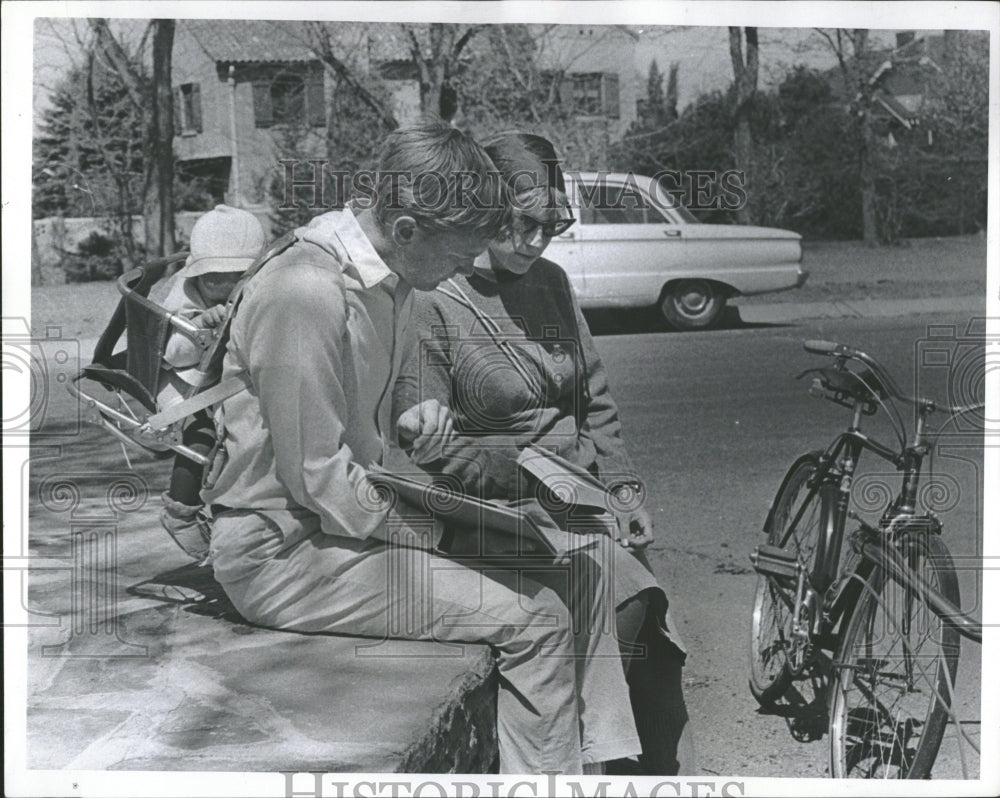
[813, 457]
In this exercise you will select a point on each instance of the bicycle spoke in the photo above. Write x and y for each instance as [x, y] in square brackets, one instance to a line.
[794, 525]
[884, 721]
[898, 667]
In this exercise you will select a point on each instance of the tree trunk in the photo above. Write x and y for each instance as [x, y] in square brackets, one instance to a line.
[435, 64]
[743, 156]
[155, 102]
[37, 277]
[745, 81]
[869, 224]
[866, 144]
[158, 202]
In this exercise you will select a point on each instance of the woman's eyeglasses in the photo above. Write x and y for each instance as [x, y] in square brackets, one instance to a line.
[525, 226]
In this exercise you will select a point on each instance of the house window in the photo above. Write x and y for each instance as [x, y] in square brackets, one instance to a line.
[187, 108]
[595, 94]
[289, 98]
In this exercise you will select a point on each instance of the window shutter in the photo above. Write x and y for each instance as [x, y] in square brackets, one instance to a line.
[196, 107]
[315, 101]
[178, 119]
[262, 115]
[610, 94]
[566, 94]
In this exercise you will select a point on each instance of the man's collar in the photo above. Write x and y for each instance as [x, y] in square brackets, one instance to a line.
[369, 267]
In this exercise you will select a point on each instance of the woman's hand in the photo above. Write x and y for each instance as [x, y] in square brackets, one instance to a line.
[424, 429]
[635, 529]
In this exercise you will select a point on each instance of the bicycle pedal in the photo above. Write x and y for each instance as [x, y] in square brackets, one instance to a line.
[774, 561]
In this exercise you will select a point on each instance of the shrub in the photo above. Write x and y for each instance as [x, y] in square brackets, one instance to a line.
[96, 258]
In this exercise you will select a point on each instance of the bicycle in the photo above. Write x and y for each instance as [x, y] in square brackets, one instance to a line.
[881, 633]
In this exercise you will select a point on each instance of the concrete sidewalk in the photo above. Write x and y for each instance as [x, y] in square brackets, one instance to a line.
[137, 661]
[782, 312]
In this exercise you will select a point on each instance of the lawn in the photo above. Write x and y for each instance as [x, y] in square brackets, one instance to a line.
[917, 268]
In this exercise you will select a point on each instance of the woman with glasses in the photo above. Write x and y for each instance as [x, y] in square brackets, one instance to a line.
[509, 352]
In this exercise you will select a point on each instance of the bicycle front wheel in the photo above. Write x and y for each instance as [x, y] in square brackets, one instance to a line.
[894, 672]
[797, 514]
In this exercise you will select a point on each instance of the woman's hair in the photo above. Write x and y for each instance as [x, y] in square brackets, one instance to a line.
[441, 177]
[523, 157]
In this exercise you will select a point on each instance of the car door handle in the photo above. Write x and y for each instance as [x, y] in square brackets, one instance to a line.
[672, 233]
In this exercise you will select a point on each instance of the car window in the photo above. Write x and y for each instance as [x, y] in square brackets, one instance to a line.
[610, 208]
[684, 214]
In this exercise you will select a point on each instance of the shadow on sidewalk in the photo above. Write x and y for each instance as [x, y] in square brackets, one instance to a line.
[194, 588]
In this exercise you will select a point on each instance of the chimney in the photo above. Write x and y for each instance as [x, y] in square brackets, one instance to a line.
[904, 37]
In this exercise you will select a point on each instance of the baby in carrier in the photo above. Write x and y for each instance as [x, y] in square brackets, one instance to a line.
[224, 243]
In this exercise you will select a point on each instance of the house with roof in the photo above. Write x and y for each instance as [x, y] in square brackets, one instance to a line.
[602, 82]
[247, 91]
[237, 85]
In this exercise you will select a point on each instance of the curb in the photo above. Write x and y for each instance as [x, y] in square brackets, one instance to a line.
[781, 312]
[462, 733]
[859, 309]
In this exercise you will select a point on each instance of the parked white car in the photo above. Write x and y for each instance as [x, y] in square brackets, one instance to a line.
[643, 254]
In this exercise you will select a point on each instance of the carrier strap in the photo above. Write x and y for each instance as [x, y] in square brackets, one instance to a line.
[210, 396]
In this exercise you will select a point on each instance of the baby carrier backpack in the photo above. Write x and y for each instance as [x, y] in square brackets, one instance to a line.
[130, 377]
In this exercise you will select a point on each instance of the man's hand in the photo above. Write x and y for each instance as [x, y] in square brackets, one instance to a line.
[635, 529]
[210, 318]
[429, 426]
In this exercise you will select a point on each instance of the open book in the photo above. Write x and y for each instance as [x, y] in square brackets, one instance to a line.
[567, 481]
[519, 530]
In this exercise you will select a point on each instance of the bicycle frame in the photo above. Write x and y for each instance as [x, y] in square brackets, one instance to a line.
[815, 618]
[836, 472]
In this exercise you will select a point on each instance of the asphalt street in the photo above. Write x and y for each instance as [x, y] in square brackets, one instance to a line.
[714, 419]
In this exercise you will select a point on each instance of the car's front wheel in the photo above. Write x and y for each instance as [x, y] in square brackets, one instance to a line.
[693, 304]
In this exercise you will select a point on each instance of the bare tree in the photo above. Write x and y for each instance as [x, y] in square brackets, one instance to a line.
[89, 150]
[153, 98]
[322, 39]
[160, 179]
[745, 80]
[851, 48]
[435, 50]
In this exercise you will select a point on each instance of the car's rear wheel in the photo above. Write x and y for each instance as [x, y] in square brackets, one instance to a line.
[693, 304]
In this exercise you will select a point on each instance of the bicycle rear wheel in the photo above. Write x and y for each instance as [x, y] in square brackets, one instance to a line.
[770, 640]
[895, 671]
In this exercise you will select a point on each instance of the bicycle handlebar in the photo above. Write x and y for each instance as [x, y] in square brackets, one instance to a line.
[833, 349]
[820, 347]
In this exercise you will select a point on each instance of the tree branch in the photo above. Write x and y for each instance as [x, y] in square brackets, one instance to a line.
[319, 43]
[736, 53]
[838, 50]
[471, 31]
[119, 60]
[753, 53]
